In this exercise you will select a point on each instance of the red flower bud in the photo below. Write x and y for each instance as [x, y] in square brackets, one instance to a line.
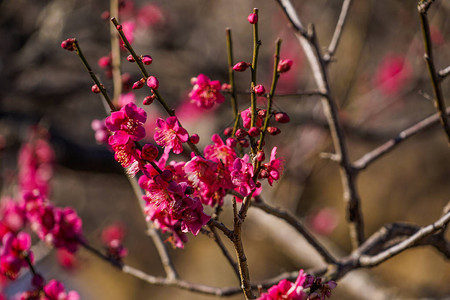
[149, 152]
[240, 133]
[254, 131]
[241, 66]
[282, 117]
[95, 89]
[260, 155]
[284, 65]
[119, 27]
[244, 143]
[262, 113]
[149, 100]
[273, 130]
[263, 174]
[146, 59]
[153, 82]
[228, 131]
[130, 58]
[104, 62]
[138, 84]
[259, 90]
[194, 139]
[226, 87]
[231, 142]
[252, 18]
[68, 44]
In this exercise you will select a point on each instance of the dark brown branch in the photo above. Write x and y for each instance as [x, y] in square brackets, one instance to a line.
[282, 214]
[338, 30]
[225, 252]
[380, 151]
[439, 101]
[311, 47]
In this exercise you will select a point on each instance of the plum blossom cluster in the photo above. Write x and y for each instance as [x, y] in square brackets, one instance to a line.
[59, 227]
[306, 287]
[53, 290]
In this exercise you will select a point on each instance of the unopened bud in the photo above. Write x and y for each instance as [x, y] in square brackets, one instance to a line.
[226, 87]
[240, 133]
[152, 82]
[95, 89]
[149, 152]
[148, 100]
[241, 66]
[194, 139]
[146, 59]
[228, 131]
[282, 117]
[259, 90]
[130, 58]
[262, 113]
[244, 143]
[273, 130]
[284, 65]
[68, 44]
[231, 142]
[263, 174]
[254, 131]
[104, 62]
[119, 27]
[252, 18]
[260, 155]
[138, 84]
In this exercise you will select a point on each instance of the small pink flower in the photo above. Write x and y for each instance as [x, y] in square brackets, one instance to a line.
[284, 65]
[151, 15]
[259, 90]
[286, 290]
[55, 290]
[205, 93]
[393, 74]
[242, 176]
[246, 116]
[127, 123]
[274, 167]
[104, 62]
[128, 28]
[170, 134]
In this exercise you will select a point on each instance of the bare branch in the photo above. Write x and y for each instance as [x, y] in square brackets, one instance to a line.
[224, 250]
[444, 73]
[380, 151]
[439, 101]
[319, 68]
[338, 30]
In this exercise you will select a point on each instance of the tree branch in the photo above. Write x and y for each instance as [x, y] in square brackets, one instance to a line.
[338, 30]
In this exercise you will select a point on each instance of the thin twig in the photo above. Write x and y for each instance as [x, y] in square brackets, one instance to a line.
[309, 42]
[371, 261]
[338, 30]
[444, 73]
[234, 105]
[282, 214]
[256, 45]
[370, 157]
[439, 101]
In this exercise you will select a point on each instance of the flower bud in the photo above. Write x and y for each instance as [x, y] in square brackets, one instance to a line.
[138, 84]
[149, 152]
[262, 113]
[263, 174]
[260, 156]
[273, 130]
[130, 58]
[95, 89]
[254, 131]
[68, 44]
[146, 59]
[152, 82]
[226, 87]
[259, 90]
[119, 27]
[252, 18]
[240, 133]
[284, 65]
[228, 131]
[194, 139]
[38, 281]
[244, 143]
[148, 100]
[231, 142]
[241, 66]
[104, 62]
[282, 117]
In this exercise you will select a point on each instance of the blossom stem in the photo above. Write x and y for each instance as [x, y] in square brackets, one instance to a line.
[93, 76]
[144, 72]
[115, 52]
[234, 105]
[256, 45]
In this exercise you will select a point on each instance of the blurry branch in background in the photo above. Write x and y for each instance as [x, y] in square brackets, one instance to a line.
[444, 73]
[312, 49]
[439, 101]
[338, 31]
[380, 151]
[115, 53]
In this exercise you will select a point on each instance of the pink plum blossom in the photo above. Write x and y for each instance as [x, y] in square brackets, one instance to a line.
[128, 122]
[170, 134]
[205, 92]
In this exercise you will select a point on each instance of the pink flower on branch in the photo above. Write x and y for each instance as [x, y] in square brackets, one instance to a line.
[128, 122]
[274, 168]
[170, 134]
[205, 92]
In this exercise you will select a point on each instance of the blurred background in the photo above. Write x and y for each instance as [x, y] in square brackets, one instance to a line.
[378, 77]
